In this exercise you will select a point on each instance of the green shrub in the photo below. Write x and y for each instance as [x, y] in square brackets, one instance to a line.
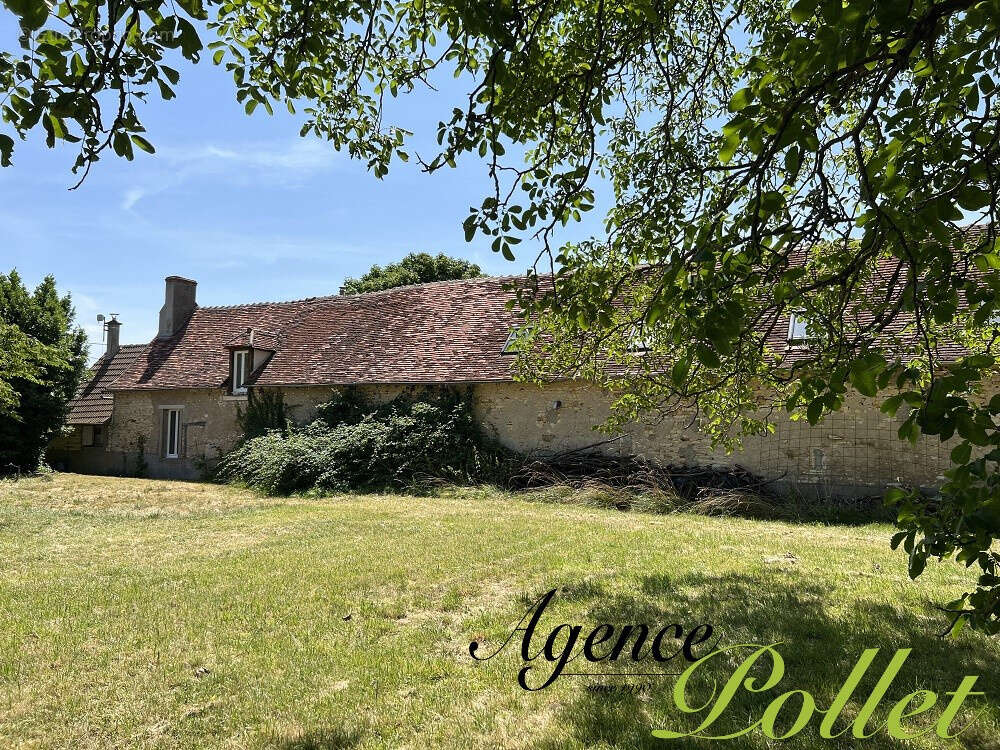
[265, 412]
[356, 445]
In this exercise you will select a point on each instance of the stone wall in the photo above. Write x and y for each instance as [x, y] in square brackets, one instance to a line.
[855, 448]
[207, 427]
[67, 452]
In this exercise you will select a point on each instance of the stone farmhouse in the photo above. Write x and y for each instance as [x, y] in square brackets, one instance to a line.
[175, 400]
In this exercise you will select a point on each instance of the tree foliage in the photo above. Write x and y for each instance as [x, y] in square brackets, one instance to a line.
[415, 268]
[42, 358]
[827, 157]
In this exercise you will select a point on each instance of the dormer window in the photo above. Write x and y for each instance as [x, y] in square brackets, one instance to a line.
[241, 371]
[798, 333]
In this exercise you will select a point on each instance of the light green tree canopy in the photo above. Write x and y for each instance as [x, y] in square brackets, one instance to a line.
[415, 268]
[765, 156]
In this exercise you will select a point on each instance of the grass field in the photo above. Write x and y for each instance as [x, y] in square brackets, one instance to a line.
[138, 613]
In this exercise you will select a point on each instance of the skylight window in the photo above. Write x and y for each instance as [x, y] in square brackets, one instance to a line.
[510, 346]
[798, 332]
[641, 339]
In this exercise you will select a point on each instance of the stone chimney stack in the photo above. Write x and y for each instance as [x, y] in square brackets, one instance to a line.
[177, 306]
[113, 328]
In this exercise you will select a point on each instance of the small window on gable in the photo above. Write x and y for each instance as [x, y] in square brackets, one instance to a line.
[797, 330]
[241, 370]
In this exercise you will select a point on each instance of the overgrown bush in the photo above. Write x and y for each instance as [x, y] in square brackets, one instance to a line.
[358, 445]
[265, 412]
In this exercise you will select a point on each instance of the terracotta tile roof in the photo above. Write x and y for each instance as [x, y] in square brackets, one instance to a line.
[886, 283]
[441, 332]
[92, 403]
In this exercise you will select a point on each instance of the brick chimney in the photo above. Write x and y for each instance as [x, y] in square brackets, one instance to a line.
[113, 328]
[177, 306]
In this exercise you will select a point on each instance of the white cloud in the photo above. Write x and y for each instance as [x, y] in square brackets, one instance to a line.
[284, 165]
[131, 197]
[87, 309]
[301, 156]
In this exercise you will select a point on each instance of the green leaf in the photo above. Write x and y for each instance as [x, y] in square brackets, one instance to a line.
[193, 7]
[172, 75]
[142, 143]
[803, 10]
[863, 379]
[33, 13]
[6, 150]
[973, 198]
[815, 410]
[707, 356]
[122, 146]
[190, 42]
[792, 162]
[891, 405]
[740, 99]
[679, 372]
[731, 142]
[961, 453]
[166, 93]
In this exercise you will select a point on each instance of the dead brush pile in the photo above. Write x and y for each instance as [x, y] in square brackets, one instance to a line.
[631, 483]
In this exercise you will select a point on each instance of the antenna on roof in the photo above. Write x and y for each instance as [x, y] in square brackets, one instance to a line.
[100, 319]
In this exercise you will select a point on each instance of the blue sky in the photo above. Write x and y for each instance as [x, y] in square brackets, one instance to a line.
[241, 204]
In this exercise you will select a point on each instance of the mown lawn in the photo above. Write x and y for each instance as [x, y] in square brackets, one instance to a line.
[150, 614]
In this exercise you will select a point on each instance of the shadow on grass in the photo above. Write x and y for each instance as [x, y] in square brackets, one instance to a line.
[320, 739]
[819, 647]
[772, 506]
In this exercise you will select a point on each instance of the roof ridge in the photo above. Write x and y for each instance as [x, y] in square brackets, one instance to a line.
[364, 295]
[121, 348]
[265, 303]
[442, 282]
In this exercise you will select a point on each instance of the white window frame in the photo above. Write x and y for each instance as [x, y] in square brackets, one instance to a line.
[641, 340]
[511, 340]
[797, 323]
[175, 413]
[241, 372]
